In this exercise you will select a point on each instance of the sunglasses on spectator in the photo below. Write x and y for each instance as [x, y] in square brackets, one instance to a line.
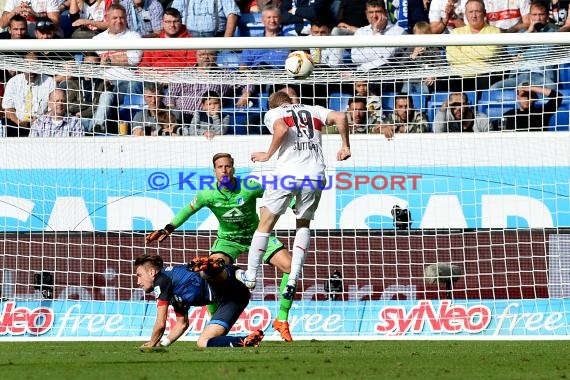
[44, 24]
[456, 105]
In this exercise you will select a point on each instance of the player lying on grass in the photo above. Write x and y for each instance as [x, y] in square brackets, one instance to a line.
[234, 205]
[201, 282]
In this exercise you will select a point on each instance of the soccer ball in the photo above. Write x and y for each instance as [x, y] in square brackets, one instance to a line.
[299, 64]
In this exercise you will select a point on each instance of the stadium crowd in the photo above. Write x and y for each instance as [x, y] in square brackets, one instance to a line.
[40, 105]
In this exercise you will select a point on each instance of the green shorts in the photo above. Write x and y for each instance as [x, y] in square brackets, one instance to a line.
[233, 249]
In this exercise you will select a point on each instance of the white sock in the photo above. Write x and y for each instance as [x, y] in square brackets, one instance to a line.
[300, 247]
[257, 250]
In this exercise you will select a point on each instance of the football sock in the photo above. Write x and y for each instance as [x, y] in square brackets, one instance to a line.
[284, 304]
[225, 341]
[212, 308]
[300, 246]
[257, 250]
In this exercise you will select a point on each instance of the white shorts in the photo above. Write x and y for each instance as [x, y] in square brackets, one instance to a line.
[307, 196]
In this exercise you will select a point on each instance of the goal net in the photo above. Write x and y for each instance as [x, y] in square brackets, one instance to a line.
[423, 233]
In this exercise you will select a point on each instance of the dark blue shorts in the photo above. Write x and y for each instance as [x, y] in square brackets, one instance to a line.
[231, 297]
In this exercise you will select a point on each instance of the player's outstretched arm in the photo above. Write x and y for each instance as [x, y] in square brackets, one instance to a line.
[161, 234]
[178, 220]
[279, 131]
[339, 119]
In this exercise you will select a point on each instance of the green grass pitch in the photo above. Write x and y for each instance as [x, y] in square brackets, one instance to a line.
[289, 361]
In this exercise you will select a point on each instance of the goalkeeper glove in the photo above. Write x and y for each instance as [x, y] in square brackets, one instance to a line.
[161, 234]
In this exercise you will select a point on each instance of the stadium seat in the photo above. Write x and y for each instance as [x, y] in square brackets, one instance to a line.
[249, 25]
[564, 75]
[244, 121]
[338, 101]
[132, 103]
[264, 101]
[560, 121]
[495, 102]
[228, 59]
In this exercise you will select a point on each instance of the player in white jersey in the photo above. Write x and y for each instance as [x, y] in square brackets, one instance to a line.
[296, 130]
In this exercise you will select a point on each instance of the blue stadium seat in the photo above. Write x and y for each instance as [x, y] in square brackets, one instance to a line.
[264, 101]
[564, 75]
[495, 102]
[338, 101]
[560, 121]
[132, 103]
[228, 59]
[242, 120]
[249, 25]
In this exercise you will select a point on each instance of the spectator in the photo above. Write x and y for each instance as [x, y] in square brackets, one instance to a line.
[418, 11]
[146, 121]
[373, 102]
[172, 28]
[446, 15]
[88, 98]
[351, 17]
[357, 116]
[369, 58]
[404, 119]
[144, 16]
[297, 13]
[469, 60]
[208, 121]
[88, 17]
[419, 56]
[119, 59]
[327, 57]
[546, 76]
[25, 98]
[17, 29]
[187, 97]
[263, 58]
[508, 15]
[213, 18]
[456, 115]
[529, 115]
[168, 123]
[558, 10]
[56, 123]
[46, 30]
[31, 10]
[117, 30]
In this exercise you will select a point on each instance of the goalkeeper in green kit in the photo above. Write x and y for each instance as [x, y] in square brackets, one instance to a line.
[234, 205]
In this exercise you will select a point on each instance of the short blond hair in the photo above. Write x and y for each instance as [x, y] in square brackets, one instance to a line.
[279, 98]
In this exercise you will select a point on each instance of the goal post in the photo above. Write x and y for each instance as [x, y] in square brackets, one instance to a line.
[476, 248]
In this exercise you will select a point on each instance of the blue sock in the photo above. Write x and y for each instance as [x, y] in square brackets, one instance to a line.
[225, 341]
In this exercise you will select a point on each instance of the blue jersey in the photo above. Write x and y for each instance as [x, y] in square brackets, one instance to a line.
[182, 288]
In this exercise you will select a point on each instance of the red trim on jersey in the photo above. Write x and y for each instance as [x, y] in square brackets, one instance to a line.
[507, 14]
[317, 123]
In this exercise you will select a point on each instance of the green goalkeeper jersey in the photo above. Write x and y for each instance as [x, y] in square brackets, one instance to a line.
[235, 209]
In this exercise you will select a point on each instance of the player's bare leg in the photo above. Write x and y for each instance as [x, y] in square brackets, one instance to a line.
[300, 247]
[258, 247]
